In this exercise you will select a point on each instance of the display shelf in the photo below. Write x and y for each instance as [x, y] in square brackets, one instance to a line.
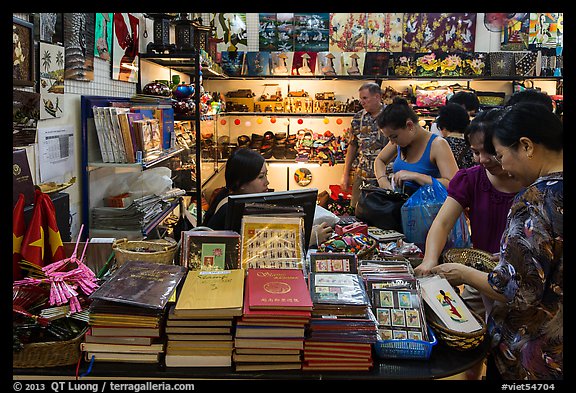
[390, 77]
[184, 63]
[287, 114]
[138, 165]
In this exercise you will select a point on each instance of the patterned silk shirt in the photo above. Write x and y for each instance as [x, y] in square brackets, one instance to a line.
[370, 141]
[527, 331]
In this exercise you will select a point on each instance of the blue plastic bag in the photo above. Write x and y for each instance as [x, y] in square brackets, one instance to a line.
[419, 211]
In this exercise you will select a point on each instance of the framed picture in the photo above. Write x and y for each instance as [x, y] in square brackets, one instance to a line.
[22, 52]
[125, 47]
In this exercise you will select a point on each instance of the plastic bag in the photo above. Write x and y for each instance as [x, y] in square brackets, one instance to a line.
[152, 181]
[419, 211]
[323, 215]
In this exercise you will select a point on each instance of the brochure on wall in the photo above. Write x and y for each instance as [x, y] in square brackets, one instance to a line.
[56, 151]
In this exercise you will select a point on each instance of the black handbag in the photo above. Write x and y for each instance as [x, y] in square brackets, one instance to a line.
[380, 207]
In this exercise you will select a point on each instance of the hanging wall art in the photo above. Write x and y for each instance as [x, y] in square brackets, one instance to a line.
[78, 43]
[22, 53]
[51, 80]
[125, 47]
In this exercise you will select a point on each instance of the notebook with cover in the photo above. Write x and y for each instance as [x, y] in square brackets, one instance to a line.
[144, 284]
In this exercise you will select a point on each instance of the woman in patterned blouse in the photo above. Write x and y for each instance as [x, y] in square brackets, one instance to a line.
[526, 322]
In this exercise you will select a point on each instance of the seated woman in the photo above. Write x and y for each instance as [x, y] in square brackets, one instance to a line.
[246, 173]
[418, 155]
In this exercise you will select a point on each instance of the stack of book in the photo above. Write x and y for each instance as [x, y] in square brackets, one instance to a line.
[199, 326]
[343, 327]
[396, 299]
[127, 313]
[277, 308]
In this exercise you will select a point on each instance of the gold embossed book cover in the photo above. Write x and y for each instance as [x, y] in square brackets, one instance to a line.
[208, 292]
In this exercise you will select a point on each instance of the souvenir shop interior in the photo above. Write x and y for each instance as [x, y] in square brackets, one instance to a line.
[123, 124]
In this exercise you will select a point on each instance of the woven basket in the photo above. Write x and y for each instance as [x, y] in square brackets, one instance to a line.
[459, 340]
[49, 354]
[478, 259]
[161, 251]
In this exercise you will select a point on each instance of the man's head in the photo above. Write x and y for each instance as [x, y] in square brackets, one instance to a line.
[370, 95]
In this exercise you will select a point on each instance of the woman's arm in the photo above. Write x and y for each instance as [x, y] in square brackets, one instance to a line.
[442, 155]
[458, 274]
[438, 235]
[386, 155]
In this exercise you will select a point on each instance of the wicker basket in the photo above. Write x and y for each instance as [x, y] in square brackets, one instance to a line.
[161, 251]
[459, 340]
[478, 259]
[49, 354]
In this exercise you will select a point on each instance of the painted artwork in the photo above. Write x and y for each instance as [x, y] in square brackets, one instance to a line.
[51, 80]
[439, 32]
[376, 63]
[384, 32]
[544, 31]
[231, 31]
[515, 35]
[353, 63]
[256, 64]
[103, 35]
[232, 63]
[348, 32]
[78, 43]
[329, 63]
[304, 63]
[50, 26]
[22, 52]
[281, 62]
[125, 47]
[286, 31]
[311, 32]
[267, 32]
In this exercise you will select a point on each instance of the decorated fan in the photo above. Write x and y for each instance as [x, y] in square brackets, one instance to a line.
[498, 21]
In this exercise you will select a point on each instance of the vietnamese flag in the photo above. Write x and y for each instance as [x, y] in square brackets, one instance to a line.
[54, 240]
[18, 230]
[33, 242]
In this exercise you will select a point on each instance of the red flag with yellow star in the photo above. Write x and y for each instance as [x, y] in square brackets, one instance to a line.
[33, 242]
[18, 230]
[54, 246]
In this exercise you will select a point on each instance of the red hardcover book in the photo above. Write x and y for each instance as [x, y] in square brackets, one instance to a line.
[272, 315]
[278, 289]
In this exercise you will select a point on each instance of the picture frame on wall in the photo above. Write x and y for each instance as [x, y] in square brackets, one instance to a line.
[22, 52]
[125, 44]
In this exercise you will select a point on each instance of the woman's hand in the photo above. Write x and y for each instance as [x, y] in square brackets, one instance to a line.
[455, 273]
[320, 233]
[424, 268]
